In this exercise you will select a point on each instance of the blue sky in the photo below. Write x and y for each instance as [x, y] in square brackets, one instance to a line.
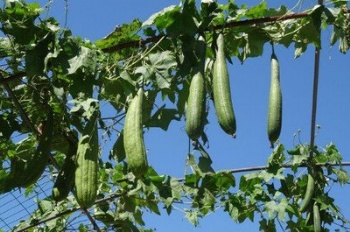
[249, 86]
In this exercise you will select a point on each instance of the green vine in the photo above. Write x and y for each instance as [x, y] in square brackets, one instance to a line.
[45, 68]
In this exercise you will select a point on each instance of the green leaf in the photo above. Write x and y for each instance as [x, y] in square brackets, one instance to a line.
[192, 180]
[225, 181]
[159, 66]
[118, 151]
[106, 217]
[86, 108]
[255, 43]
[163, 18]
[8, 125]
[5, 47]
[249, 181]
[332, 153]
[176, 188]
[152, 204]
[45, 206]
[176, 20]
[267, 225]
[339, 3]
[192, 216]
[307, 34]
[162, 118]
[300, 48]
[187, 22]
[316, 14]
[280, 209]
[85, 58]
[232, 210]
[168, 192]
[35, 57]
[116, 90]
[275, 162]
[157, 179]
[121, 34]
[207, 201]
[257, 11]
[138, 218]
[342, 176]
[204, 164]
[295, 151]
[18, 20]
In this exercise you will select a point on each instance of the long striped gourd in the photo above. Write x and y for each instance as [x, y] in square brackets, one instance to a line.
[86, 172]
[221, 90]
[274, 121]
[133, 139]
[196, 107]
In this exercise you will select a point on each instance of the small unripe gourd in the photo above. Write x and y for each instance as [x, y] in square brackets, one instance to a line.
[309, 193]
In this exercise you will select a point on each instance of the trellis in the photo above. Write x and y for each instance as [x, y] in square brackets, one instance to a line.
[42, 190]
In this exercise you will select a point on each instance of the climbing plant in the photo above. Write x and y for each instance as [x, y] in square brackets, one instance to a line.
[54, 87]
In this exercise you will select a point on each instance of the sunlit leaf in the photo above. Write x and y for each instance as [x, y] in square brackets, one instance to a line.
[343, 176]
[121, 34]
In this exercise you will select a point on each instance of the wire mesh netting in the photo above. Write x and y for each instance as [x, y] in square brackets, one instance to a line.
[19, 207]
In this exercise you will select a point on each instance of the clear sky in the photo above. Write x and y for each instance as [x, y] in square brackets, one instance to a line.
[249, 86]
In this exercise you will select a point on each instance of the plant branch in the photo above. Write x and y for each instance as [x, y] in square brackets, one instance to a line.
[92, 220]
[246, 22]
[22, 112]
[15, 76]
[24, 115]
[134, 43]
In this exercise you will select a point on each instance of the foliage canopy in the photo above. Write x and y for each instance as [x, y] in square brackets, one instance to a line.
[49, 76]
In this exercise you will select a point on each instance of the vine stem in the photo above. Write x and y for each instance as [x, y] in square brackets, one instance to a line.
[22, 112]
[25, 118]
[91, 219]
[10, 78]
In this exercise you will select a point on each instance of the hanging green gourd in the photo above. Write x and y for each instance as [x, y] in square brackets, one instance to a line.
[274, 119]
[195, 112]
[221, 89]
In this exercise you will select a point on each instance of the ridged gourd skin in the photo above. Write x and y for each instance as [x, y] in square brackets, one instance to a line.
[26, 172]
[274, 121]
[221, 90]
[317, 218]
[133, 139]
[86, 173]
[196, 102]
[65, 178]
[309, 194]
